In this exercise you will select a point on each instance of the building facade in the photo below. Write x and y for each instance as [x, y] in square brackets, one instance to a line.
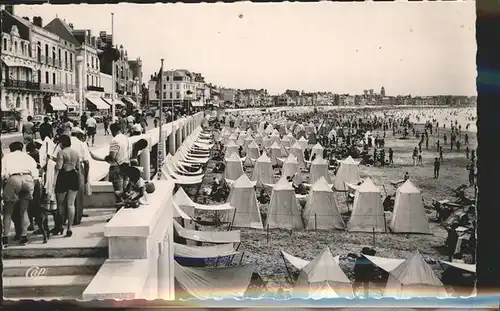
[38, 65]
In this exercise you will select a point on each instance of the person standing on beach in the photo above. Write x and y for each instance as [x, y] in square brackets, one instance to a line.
[414, 156]
[441, 154]
[445, 138]
[466, 139]
[437, 145]
[437, 165]
[391, 157]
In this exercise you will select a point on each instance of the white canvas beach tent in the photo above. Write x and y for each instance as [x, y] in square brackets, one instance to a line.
[323, 277]
[291, 138]
[409, 212]
[317, 150]
[231, 147]
[253, 151]
[263, 170]
[291, 168]
[303, 142]
[275, 153]
[266, 142]
[348, 173]
[286, 141]
[414, 278]
[284, 210]
[234, 167]
[275, 137]
[368, 211]
[318, 169]
[321, 210]
[298, 152]
[244, 200]
[258, 139]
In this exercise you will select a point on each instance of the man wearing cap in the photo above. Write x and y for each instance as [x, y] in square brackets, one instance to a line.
[78, 143]
[19, 173]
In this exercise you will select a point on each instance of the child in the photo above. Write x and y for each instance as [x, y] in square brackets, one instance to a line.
[135, 189]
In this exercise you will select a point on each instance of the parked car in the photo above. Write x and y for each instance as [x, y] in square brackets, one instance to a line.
[8, 125]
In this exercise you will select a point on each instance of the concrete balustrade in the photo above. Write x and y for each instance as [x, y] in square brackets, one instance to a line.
[140, 241]
[140, 251]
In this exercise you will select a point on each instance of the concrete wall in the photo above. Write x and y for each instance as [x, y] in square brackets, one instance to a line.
[140, 241]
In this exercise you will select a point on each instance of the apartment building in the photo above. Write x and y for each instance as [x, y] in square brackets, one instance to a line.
[38, 72]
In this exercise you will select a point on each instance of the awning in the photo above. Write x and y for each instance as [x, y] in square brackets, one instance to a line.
[463, 266]
[215, 237]
[197, 104]
[13, 63]
[70, 103]
[186, 251]
[213, 283]
[98, 103]
[130, 101]
[57, 104]
[118, 103]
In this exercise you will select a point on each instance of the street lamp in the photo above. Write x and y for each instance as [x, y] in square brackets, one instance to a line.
[79, 67]
[136, 80]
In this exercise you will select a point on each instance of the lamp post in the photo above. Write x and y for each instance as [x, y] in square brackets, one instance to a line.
[136, 81]
[79, 66]
[113, 74]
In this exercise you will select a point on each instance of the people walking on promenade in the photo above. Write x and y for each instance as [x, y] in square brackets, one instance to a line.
[28, 130]
[91, 125]
[19, 173]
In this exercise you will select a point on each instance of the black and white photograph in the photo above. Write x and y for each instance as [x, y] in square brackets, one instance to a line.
[242, 150]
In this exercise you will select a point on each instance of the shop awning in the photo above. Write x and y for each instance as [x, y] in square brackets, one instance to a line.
[70, 103]
[130, 101]
[57, 104]
[98, 103]
[14, 63]
[118, 103]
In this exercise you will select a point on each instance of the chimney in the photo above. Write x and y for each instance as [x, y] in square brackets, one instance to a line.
[71, 26]
[37, 21]
[9, 8]
[26, 18]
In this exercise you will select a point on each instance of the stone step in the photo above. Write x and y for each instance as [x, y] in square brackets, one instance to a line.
[96, 247]
[51, 266]
[67, 286]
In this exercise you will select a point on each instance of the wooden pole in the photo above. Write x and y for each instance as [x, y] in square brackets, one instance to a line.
[286, 267]
[374, 237]
[315, 222]
[232, 221]
[267, 233]
[385, 223]
[241, 259]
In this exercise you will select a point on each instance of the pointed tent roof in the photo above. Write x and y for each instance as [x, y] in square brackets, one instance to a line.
[231, 143]
[321, 185]
[285, 138]
[275, 146]
[319, 161]
[282, 184]
[324, 268]
[233, 157]
[349, 160]
[317, 147]
[296, 146]
[291, 159]
[408, 187]
[243, 182]
[415, 270]
[302, 139]
[263, 158]
[368, 186]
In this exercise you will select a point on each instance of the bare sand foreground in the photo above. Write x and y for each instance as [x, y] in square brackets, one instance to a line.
[307, 244]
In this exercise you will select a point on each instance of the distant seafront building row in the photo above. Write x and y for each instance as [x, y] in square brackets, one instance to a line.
[41, 72]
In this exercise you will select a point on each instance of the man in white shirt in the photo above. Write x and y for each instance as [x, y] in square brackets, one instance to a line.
[19, 172]
[91, 125]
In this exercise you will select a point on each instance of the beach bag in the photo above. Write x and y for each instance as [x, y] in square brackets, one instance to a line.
[87, 190]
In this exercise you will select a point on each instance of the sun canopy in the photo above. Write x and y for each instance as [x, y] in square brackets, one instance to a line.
[462, 266]
[186, 251]
[210, 283]
[57, 104]
[208, 236]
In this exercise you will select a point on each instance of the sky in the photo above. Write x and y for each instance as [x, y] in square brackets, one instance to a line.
[423, 48]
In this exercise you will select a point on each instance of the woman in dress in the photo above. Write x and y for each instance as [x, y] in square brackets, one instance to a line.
[67, 185]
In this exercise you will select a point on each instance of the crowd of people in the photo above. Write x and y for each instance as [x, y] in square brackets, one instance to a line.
[50, 176]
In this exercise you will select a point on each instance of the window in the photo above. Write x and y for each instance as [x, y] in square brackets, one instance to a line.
[178, 95]
[171, 86]
[47, 77]
[39, 73]
[71, 60]
[5, 44]
[46, 50]
[164, 95]
[168, 78]
[59, 55]
[66, 58]
[164, 86]
[15, 46]
[171, 95]
[92, 79]
[88, 79]
[54, 78]
[177, 86]
[23, 48]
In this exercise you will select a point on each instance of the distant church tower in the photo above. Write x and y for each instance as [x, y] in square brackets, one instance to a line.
[382, 92]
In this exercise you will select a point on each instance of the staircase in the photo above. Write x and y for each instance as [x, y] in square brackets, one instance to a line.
[61, 268]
